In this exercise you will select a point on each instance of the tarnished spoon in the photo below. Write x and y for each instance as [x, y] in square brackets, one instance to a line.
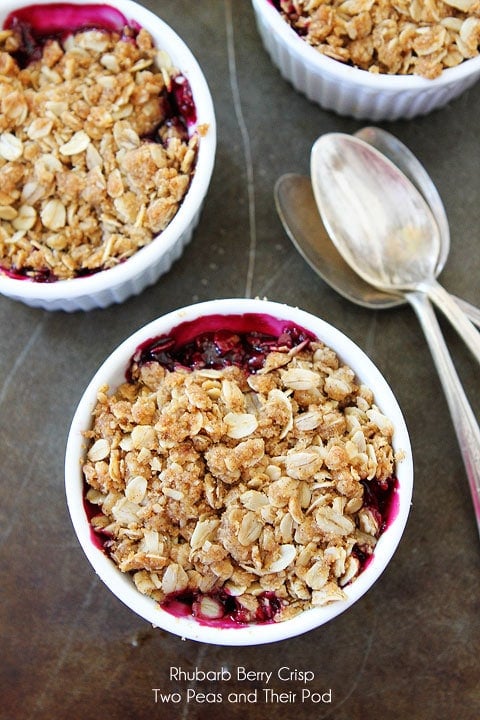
[299, 214]
[381, 223]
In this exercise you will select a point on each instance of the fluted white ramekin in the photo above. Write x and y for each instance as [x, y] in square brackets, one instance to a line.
[144, 267]
[219, 314]
[348, 90]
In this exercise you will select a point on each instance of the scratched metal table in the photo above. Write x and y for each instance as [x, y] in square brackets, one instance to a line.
[410, 647]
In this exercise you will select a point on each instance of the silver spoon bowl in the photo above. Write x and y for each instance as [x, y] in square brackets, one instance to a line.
[381, 224]
[298, 212]
[297, 209]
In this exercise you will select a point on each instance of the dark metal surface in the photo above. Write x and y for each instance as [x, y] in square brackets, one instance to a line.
[409, 648]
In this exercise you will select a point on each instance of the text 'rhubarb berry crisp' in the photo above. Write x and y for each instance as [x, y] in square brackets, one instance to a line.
[240, 476]
[97, 147]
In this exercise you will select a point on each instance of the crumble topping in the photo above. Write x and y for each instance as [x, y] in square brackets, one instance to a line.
[399, 38]
[220, 483]
[93, 163]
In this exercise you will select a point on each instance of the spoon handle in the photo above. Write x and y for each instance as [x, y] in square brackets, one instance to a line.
[444, 301]
[464, 421]
[472, 312]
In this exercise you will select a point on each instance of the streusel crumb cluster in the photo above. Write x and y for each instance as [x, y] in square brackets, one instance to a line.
[92, 163]
[399, 38]
[210, 481]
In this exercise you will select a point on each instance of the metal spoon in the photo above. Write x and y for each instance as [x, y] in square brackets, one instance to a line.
[464, 421]
[381, 224]
[299, 214]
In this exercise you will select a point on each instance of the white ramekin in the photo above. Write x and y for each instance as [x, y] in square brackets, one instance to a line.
[112, 373]
[348, 90]
[148, 264]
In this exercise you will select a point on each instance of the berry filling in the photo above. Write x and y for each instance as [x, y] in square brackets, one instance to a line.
[38, 24]
[200, 344]
[219, 609]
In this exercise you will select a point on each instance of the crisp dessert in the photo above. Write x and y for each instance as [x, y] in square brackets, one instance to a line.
[240, 475]
[398, 38]
[97, 149]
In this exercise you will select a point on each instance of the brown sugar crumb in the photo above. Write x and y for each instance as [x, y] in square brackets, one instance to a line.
[399, 38]
[93, 164]
[223, 484]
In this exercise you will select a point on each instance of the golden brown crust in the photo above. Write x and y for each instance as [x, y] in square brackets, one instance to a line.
[211, 479]
[399, 38]
[82, 187]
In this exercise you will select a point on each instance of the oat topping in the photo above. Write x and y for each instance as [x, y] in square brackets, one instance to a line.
[397, 37]
[94, 162]
[259, 488]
